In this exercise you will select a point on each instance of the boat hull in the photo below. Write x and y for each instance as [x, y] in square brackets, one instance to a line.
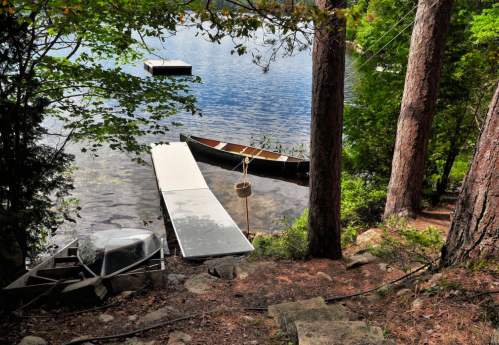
[267, 166]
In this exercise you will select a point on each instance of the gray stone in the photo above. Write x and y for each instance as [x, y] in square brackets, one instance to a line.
[339, 333]
[125, 294]
[175, 277]
[105, 318]
[138, 341]
[248, 318]
[404, 291]
[32, 340]
[369, 237]
[310, 310]
[200, 283]
[359, 260]
[435, 278]
[244, 269]
[418, 302]
[495, 338]
[179, 338]
[251, 342]
[132, 317]
[385, 267]
[158, 315]
[325, 276]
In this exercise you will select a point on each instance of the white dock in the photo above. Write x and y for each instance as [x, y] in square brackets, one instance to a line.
[167, 67]
[203, 227]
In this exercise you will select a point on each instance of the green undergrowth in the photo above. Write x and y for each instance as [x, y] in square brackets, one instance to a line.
[403, 246]
[362, 205]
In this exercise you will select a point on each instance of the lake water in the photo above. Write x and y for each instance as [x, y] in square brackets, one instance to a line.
[238, 101]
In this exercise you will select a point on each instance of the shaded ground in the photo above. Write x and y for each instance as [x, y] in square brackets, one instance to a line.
[446, 311]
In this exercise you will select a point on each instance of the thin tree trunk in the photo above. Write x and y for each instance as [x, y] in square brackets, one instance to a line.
[418, 104]
[474, 230]
[326, 127]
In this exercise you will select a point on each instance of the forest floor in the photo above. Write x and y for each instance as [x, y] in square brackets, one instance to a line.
[450, 308]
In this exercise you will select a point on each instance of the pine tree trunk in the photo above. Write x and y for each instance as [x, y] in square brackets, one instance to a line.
[326, 128]
[474, 230]
[418, 104]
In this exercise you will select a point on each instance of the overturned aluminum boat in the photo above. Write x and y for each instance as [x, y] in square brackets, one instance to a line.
[110, 252]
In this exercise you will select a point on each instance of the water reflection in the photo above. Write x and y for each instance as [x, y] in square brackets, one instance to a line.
[238, 102]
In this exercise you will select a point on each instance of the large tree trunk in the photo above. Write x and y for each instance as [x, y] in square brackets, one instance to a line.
[474, 230]
[326, 128]
[418, 104]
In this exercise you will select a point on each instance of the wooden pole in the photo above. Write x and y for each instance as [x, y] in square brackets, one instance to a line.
[246, 200]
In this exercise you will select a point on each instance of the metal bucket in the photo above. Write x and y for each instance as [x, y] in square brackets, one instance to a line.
[243, 189]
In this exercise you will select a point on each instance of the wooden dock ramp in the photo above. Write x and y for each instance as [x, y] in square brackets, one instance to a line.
[203, 227]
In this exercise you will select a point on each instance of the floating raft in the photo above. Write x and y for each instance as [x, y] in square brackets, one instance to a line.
[203, 227]
[167, 67]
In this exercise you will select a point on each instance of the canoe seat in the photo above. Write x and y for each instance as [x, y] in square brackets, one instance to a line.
[220, 146]
[282, 158]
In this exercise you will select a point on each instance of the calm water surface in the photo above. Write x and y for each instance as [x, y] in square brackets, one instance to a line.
[238, 101]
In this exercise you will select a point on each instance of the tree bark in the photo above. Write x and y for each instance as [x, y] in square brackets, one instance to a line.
[474, 230]
[418, 104]
[326, 128]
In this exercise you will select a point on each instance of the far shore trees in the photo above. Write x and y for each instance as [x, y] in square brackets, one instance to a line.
[326, 128]
[418, 105]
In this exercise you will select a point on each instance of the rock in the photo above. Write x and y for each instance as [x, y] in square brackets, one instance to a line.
[435, 278]
[369, 237]
[248, 318]
[359, 260]
[325, 276]
[200, 283]
[132, 317]
[175, 277]
[245, 268]
[336, 333]
[495, 338]
[385, 290]
[418, 302]
[179, 338]
[138, 341]
[224, 268]
[105, 318]
[158, 315]
[404, 291]
[32, 340]
[252, 342]
[315, 309]
[124, 294]
[366, 273]
[385, 267]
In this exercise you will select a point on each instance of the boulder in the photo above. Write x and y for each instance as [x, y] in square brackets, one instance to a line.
[157, 315]
[200, 283]
[339, 333]
[32, 340]
[179, 338]
[138, 341]
[360, 259]
[369, 237]
[175, 277]
[103, 318]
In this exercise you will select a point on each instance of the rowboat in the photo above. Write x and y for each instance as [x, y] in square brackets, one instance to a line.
[110, 252]
[63, 270]
[261, 160]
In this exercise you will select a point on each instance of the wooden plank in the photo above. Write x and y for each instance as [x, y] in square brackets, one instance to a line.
[64, 259]
[50, 262]
[35, 280]
[176, 168]
[61, 272]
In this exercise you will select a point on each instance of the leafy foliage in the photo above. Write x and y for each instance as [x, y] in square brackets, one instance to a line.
[469, 74]
[292, 244]
[403, 246]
